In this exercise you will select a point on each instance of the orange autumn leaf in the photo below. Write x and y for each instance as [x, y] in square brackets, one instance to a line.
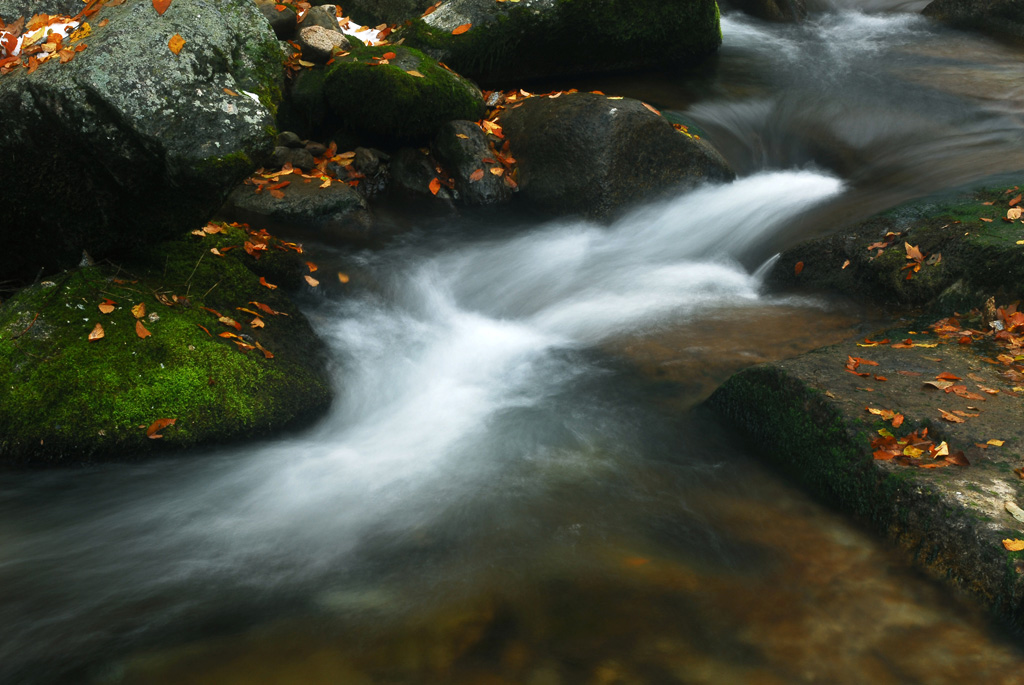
[231, 92]
[946, 376]
[161, 5]
[96, 333]
[1013, 545]
[263, 282]
[311, 266]
[107, 306]
[153, 432]
[1016, 200]
[435, 186]
[257, 323]
[389, 55]
[205, 330]
[176, 43]
[141, 331]
[476, 175]
[228, 321]
[139, 310]
[651, 108]
[458, 30]
[798, 268]
[312, 281]
[343, 277]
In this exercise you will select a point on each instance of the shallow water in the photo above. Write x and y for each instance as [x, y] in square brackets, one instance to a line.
[511, 486]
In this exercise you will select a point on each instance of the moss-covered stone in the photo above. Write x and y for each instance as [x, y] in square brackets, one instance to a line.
[65, 399]
[806, 416]
[971, 253]
[386, 101]
[510, 42]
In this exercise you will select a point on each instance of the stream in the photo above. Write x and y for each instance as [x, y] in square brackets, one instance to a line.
[515, 483]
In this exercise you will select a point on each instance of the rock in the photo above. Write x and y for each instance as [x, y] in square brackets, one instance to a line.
[324, 16]
[412, 171]
[965, 259]
[509, 42]
[772, 10]
[462, 148]
[373, 165]
[1002, 18]
[128, 143]
[589, 154]
[806, 416]
[319, 44]
[335, 212]
[390, 12]
[10, 10]
[283, 20]
[314, 148]
[67, 400]
[298, 157]
[289, 139]
[385, 101]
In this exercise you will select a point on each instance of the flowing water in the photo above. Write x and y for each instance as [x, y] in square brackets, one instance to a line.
[513, 485]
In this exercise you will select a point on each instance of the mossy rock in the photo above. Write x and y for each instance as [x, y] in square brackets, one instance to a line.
[511, 42]
[385, 101]
[971, 253]
[1001, 18]
[66, 400]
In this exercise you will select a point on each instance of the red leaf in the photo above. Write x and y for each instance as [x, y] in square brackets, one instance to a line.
[435, 185]
[154, 429]
[798, 268]
[161, 5]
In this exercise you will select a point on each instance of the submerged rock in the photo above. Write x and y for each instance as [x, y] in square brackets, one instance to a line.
[589, 154]
[507, 42]
[81, 382]
[1002, 18]
[129, 142]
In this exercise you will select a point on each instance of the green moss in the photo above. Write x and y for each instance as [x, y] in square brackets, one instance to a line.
[64, 398]
[573, 37]
[386, 100]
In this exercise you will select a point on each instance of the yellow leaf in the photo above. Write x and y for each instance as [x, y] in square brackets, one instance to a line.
[176, 43]
[997, 443]
[413, 72]
[139, 310]
[312, 281]
[912, 451]
[1013, 545]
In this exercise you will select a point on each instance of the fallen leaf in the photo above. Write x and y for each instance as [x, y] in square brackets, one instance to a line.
[140, 330]
[228, 321]
[1016, 200]
[1013, 213]
[413, 72]
[988, 221]
[176, 43]
[206, 330]
[958, 459]
[266, 353]
[946, 376]
[913, 252]
[263, 282]
[96, 333]
[476, 175]
[897, 421]
[462, 28]
[941, 385]
[798, 268]
[106, 306]
[435, 185]
[846, 263]
[952, 418]
[1013, 545]
[139, 310]
[161, 5]
[153, 432]
[230, 92]
[389, 55]
[997, 443]
[257, 323]
[312, 281]
[343, 277]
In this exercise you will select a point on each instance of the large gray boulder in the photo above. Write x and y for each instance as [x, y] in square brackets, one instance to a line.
[10, 10]
[589, 154]
[129, 142]
[1003, 18]
[508, 42]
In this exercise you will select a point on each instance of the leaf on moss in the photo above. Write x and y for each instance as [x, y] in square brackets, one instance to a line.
[96, 333]
[153, 432]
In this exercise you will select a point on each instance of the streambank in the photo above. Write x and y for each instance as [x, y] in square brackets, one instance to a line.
[915, 430]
